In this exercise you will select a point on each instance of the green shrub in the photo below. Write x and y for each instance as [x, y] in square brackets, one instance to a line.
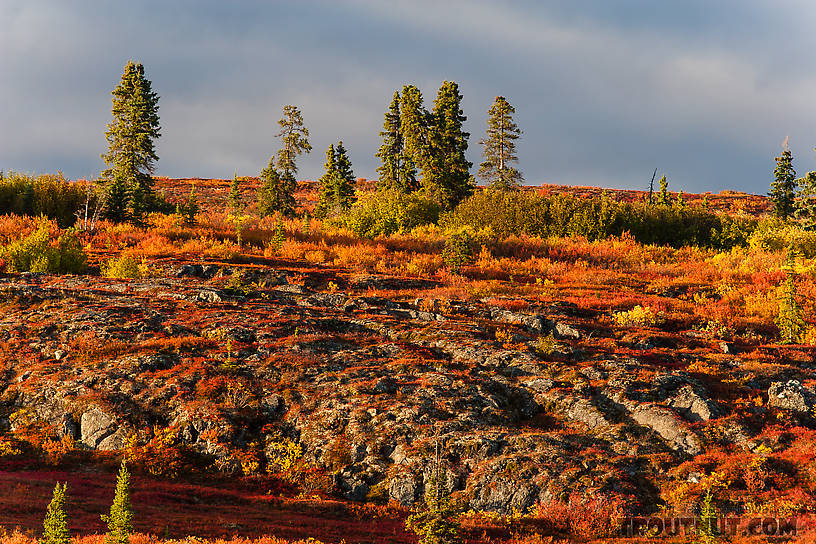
[524, 212]
[460, 247]
[387, 211]
[49, 195]
[774, 234]
[38, 252]
[124, 266]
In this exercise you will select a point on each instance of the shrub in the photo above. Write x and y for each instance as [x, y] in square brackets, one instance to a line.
[523, 212]
[125, 266]
[773, 234]
[639, 316]
[49, 195]
[38, 252]
[387, 211]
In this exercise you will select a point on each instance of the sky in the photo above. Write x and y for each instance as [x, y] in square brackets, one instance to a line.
[605, 91]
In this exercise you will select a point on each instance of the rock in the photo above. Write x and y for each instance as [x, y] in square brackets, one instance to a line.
[386, 385]
[403, 490]
[665, 423]
[562, 330]
[208, 295]
[693, 406]
[790, 395]
[99, 431]
[190, 270]
[727, 348]
[531, 322]
[60, 354]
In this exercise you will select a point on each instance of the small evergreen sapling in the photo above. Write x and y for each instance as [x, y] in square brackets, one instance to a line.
[663, 195]
[55, 524]
[783, 187]
[235, 195]
[120, 519]
[437, 522]
[790, 320]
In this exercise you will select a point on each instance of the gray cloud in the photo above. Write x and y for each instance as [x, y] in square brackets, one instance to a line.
[604, 91]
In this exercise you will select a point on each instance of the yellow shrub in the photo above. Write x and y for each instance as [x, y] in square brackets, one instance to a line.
[640, 316]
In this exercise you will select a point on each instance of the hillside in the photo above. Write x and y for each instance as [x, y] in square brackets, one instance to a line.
[303, 377]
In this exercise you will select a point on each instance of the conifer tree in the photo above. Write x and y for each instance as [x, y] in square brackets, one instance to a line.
[789, 319]
[663, 195]
[294, 141]
[806, 201]
[131, 152]
[235, 195]
[276, 193]
[445, 168]
[414, 121]
[55, 524]
[120, 519]
[783, 187]
[500, 147]
[396, 172]
[337, 183]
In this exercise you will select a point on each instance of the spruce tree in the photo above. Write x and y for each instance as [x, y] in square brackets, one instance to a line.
[131, 152]
[396, 172]
[55, 524]
[806, 201]
[328, 181]
[347, 181]
[120, 519]
[337, 184]
[663, 195]
[294, 141]
[235, 195]
[445, 168]
[414, 121]
[500, 147]
[783, 187]
[276, 193]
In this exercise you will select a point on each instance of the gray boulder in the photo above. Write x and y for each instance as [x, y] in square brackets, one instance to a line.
[790, 395]
[99, 431]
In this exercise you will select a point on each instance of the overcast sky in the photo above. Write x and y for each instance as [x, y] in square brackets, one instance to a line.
[604, 90]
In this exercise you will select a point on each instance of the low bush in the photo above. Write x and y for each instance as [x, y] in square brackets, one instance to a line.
[386, 212]
[774, 234]
[527, 213]
[42, 252]
[124, 266]
[49, 195]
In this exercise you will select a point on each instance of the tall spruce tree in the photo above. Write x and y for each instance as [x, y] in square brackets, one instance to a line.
[294, 141]
[55, 524]
[396, 172]
[414, 121]
[337, 184]
[276, 193]
[131, 152]
[445, 168]
[500, 147]
[783, 187]
[120, 519]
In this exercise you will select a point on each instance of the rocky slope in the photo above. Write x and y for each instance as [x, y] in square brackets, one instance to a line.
[368, 373]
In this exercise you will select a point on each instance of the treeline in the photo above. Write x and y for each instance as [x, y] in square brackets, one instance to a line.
[508, 213]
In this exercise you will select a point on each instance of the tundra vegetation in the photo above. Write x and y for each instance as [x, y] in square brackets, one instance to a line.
[267, 360]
